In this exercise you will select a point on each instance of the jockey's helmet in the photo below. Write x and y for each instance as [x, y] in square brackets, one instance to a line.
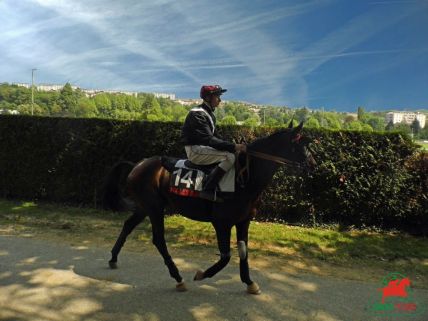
[207, 90]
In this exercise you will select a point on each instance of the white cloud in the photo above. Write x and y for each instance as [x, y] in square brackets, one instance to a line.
[142, 45]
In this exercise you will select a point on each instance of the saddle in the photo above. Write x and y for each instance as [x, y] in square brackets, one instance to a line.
[186, 178]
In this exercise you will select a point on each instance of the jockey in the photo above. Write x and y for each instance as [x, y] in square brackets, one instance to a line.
[201, 145]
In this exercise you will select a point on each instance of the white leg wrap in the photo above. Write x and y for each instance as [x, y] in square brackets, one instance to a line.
[242, 250]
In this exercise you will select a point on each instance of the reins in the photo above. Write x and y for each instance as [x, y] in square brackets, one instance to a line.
[273, 158]
[244, 173]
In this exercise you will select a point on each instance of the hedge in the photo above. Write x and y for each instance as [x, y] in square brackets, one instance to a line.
[363, 179]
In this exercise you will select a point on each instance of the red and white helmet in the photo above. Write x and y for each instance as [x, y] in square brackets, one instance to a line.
[207, 90]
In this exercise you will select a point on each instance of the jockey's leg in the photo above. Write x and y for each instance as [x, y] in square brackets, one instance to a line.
[205, 155]
[211, 181]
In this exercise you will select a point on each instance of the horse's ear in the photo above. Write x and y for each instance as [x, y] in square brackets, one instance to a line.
[296, 136]
[298, 129]
[290, 125]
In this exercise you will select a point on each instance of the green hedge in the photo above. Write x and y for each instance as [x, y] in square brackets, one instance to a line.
[363, 179]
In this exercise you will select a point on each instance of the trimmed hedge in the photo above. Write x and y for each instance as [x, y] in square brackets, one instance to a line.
[363, 179]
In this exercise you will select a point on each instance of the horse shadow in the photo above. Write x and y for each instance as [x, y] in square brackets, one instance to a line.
[40, 280]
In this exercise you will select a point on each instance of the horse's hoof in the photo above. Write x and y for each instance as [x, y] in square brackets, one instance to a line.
[199, 276]
[112, 264]
[253, 288]
[181, 287]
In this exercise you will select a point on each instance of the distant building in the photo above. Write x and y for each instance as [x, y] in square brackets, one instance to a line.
[51, 87]
[92, 92]
[21, 85]
[353, 115]
[9, 111]
[188, 102]
[164, 95]
[406, 117]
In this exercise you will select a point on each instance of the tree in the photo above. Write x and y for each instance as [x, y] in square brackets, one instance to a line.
[228, 120]
[361, 114]
[151, 107]
[103, 104]
[416, 127]
[332, 120]
[302, 114]
[377, 123]
[68, 100]
[86, 108]
[132, 104]
[403, 127]
[271, 122]
[27, 108]
[252, 121]
[389, 126]
[354, 125]
[178, 112]
[118, 102]
[312, 122]
[423, 133]
[367, 128]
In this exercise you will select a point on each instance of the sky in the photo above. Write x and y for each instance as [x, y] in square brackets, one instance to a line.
[331, 54]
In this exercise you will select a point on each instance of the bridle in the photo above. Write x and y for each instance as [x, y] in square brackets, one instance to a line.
[244, 173]
[272, 158]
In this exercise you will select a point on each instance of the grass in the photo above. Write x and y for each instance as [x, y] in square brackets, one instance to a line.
[424, 145]
[359, 255]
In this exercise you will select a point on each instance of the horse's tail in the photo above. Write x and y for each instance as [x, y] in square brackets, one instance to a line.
[113, 197]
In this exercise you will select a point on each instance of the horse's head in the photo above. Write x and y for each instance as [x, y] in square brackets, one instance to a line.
[288, 144]
[297, 147]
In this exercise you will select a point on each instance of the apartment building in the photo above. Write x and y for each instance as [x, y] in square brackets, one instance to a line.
[407, 117]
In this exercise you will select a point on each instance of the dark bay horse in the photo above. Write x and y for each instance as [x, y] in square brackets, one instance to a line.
[147, 195]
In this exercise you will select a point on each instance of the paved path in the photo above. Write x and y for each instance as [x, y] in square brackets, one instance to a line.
[44, 281]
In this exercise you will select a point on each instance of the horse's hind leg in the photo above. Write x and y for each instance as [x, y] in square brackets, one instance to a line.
[135, 219]
[158, 229]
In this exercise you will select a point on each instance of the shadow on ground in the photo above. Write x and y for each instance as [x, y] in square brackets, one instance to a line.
[43, 281]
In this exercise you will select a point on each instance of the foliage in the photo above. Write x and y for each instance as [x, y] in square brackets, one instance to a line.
[362, 179]
[74, 103]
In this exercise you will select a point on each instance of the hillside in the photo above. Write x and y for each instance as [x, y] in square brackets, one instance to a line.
[71, 102]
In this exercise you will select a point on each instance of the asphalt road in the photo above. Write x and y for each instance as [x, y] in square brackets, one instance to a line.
[44, 281]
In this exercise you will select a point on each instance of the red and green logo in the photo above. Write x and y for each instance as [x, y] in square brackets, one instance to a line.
[395, 297]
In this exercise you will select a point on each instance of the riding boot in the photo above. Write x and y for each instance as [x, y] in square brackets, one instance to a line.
[210, 182]
[209, 185]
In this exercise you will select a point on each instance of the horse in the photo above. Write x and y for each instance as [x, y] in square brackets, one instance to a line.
[146, 194]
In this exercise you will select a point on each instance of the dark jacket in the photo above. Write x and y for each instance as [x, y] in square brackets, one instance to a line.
[198, 129]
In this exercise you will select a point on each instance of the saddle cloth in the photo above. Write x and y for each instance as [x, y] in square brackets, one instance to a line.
[186, 177]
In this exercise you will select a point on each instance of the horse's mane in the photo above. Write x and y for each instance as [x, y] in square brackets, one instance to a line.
[272, 137]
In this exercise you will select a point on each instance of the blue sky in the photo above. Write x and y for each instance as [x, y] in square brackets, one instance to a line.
[336, 54]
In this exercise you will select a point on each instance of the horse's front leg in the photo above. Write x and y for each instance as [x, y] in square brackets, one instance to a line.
[223, 240]
[242, 238]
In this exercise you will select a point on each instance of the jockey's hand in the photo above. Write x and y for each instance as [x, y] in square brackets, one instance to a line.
[241, 148]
